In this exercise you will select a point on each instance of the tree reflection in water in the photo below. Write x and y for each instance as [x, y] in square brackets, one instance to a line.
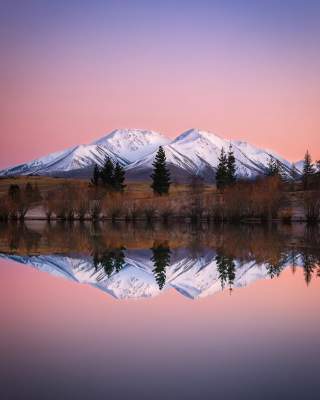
[231, 247]
[226, 268]
[161, 259]
[110, 260]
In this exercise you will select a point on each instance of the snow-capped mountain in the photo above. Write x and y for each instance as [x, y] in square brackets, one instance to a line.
[123, 145]
[194, 152]
[75, 158]
[132, 144]
[193, 277]
[197, 152]
[298, 166]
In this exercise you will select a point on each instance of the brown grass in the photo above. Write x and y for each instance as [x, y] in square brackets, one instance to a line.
[265, 199]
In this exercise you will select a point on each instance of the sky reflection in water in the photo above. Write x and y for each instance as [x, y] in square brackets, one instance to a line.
[61, 339]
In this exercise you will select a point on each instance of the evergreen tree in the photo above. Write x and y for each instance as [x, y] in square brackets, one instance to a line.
[308, 171]
[309, 265]
[161, 174]
[274, 269]
[111, 260]
[119, 177]
[273, 168]
[226, 268]
[96, 176]
[222, 171]
[231, 167]
[107, 263]
[107, 173]
[161, 259]
[119, 258]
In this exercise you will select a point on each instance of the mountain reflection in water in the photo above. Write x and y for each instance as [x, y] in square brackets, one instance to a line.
[139, 261]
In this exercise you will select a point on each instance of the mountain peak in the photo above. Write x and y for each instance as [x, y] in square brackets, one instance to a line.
[194, 134]
[194, 151]
[132, 143]
[130, 134]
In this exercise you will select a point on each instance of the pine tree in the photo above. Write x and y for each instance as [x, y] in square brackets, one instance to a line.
[111, 260]
[273, 168]
[161, 174]
[107, 173]
[222, 171]
[96, 176]
[119, 177]
[119, 258]
[309, 265]
[226, 268]
[161, 259]
[308, 171]
[231, 167]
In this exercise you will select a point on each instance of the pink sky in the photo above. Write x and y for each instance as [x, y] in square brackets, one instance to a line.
[63, 331]
[69, 78]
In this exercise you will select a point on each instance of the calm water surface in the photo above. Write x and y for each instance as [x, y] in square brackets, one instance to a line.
[159, 312]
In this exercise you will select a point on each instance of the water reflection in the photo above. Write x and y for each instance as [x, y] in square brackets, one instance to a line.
[134, 261]
[226, 268]
[110, 260]
[161, 259]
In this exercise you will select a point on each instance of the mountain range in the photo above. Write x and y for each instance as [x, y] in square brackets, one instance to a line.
[191, 276]
[194, 152]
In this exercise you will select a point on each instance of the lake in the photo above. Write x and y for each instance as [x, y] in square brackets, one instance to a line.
[138, 311]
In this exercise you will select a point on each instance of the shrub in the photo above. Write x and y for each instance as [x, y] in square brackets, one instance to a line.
[150, 213]
[95, 209]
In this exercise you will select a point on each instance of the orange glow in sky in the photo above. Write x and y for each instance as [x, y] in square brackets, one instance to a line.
[70, 76]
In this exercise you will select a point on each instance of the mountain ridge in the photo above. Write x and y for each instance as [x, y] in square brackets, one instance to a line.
[192, 277]
[193, 152]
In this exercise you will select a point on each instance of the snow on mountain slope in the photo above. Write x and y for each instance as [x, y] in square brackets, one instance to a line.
[299, 165]
[83, 156]
[34, 166]
[122, 145]
[194, 152]
[132, 144]
[173, 156]
[75, 158]
[193, 277]
[198, 151]
[256, 157]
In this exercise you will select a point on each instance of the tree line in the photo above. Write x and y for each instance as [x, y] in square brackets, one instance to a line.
[108, 261]
[226, 173]
[112, 175]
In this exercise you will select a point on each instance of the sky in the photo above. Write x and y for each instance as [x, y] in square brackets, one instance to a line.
[72, 71]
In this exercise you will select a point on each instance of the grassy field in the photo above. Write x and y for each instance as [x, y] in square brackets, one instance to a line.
[138, 190]
[138, 199]
[44, 183]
